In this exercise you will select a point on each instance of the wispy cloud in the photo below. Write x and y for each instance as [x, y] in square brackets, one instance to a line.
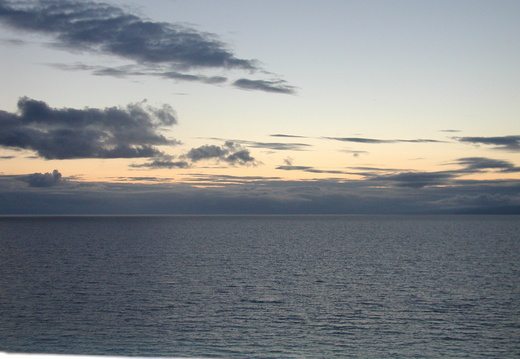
[142, 179]
[506, 143]
[278, 146]
[275, 146]
[65, 133]
[278, 86]
[478, 164]
[288, 136]
[359, 140]
[379, 141]
[138, 70]
[308, 169]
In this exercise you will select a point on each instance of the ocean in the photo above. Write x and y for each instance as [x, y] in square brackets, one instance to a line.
[261, 286]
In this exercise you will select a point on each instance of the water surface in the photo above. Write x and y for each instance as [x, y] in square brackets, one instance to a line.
[262, 286]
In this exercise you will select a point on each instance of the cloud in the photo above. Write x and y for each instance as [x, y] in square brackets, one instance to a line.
[416, 179]
[288, 161]
[207, 152]
[240, 157]
[506, 143]
[478, 164]
[359, 140]
[307, 169]
[66, 133]
[162, 162]
[277, 146]
[160, 49]
[101, 27]
[44, 179]
[138, 70]
[289, 136]
[421, 140]
[230, 152]
[187, 77]
[354, 152]
[141, 179]
[278, 86]
[378, 141]
[258, 195]
[294, 168]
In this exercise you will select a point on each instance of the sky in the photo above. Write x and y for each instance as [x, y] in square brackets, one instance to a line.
[259, 107]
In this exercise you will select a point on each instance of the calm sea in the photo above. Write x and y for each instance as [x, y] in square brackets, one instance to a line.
[262, 286]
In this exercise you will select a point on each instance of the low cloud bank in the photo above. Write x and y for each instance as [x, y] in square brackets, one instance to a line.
[255, 195]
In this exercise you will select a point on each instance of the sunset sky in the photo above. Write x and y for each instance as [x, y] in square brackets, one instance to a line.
[206, 107]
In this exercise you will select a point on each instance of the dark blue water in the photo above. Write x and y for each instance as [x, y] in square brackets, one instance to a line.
[262, 287]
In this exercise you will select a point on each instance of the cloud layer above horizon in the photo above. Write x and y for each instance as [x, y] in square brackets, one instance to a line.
[419, 193]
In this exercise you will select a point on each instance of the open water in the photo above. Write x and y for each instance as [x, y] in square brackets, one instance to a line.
[262, 286]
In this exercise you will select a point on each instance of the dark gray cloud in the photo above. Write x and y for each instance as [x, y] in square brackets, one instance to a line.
[478, 164]
[207, 152]
[102, 27]
[507, 143]
[277, 86]
[160, 49]
[416, 179]
[240, 157]
[65, 133]
[230, 152]
[44, 179]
